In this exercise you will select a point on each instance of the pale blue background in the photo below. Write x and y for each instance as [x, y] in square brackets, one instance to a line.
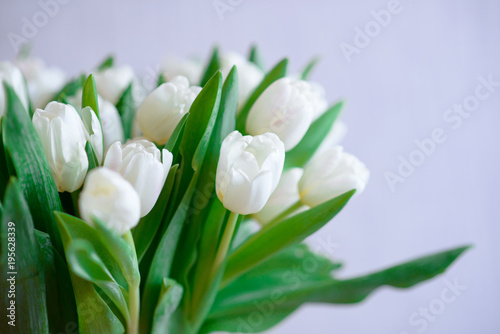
[398, 88]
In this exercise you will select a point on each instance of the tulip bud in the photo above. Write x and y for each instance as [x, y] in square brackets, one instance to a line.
[249, 75]
[248, 171]
[10, 74]
[112, 82]
[43, 82]
[112, 128]
[331, 174]
[174, 66]
[284, 197]
[160, 112]
[142, 164]
[287, 107]
[107, 196]
[63, 138]
[93, 131]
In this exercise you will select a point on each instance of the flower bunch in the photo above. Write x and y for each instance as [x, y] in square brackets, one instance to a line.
[138, 214]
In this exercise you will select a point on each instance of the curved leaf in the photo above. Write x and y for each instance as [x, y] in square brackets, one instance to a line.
[170, 297]
[212, 67]
[20, 267]
[86, 264]
[23, 146]
[276, 236]
[305, 149]
[126, 109]
[281, 284]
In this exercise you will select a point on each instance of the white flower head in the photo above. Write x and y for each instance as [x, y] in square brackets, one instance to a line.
[248, 171]
[12, 75]
[107, 196]
[162, 110]
[63, 138]
[331, 174]
[287, 108]
[142, 164]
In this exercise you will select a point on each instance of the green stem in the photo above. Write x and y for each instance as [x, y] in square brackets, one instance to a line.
[134, 297]
[286, 213]
[74, 198]
[225, 242]
[200, 299]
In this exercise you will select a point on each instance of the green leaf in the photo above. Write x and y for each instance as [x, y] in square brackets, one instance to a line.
[212, 67]
[170, 297]
[243, 324]
[4, 168]
[278, 72]
[228, 107]
[23, 146]
[121, 251]
[174, 142]
[70, 89]
[309, 67]
[276, 236]
[74, 228]
[198, 131]
[291, 268]
[126, 109]
[256, 58]
[148, 226]
[93, 163]
[60, 298]
[106, 63]
[162, 261]
[85, 263]
[205, 192]
[206, 219]
[94, 314]
[284, 282]
[89, 95]
[199, 125]
[22, 279]
[161, 80]
[305, 149]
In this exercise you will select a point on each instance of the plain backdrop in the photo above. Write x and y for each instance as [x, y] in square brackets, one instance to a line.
[398, 87]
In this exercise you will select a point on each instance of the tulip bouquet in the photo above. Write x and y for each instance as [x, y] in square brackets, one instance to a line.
[179, 210]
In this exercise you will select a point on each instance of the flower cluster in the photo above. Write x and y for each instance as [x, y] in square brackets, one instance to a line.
[146, 200]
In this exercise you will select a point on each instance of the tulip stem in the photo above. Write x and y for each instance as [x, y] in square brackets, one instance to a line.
[286, 213]
[225, 242]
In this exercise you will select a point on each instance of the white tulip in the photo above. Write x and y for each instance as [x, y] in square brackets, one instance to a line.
[112, 82]
[162, 110]
[331, 174]
[317, 98]
[284, 197]
[111, 123]
[249, 75]
[43, 82]
[107, 196]
[174, 66]
[287, 107]
[93, 131]
[11, 74]
[142, 164]
[63, 137]
[248, 171]
[333, 138]
[112, 128]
